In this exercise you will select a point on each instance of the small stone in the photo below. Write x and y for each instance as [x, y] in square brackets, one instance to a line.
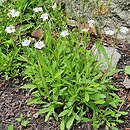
[36, 115]
[38, 34]
[126, 83]
[28, 115]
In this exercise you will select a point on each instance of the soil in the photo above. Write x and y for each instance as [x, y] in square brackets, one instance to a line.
[13, 102]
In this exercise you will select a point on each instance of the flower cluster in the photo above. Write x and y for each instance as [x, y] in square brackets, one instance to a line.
[38, 44]
[54, 6]
[110, 32]
[10, 29]
[64, 33]
[26, 42]
[37, 9]
[44, 16]
[122, 30]
[13, 13]
[91, 23]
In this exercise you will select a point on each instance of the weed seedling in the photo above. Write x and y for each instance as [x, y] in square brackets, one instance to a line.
[22, 121]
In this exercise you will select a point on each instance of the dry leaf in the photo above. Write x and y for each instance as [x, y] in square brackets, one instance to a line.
[126, 82]
[127, 128]
[54, 34]
[74, 23]
[102, 10]
[92, 29]
[38, 34]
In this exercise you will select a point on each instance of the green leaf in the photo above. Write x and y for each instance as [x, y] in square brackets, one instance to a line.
[29, 86]
[40, 102]
[99, 101]
[21, 116]
[63, 113]
[86, 97]
[48, 38]
[62, 90]
[32, 101]
[11, 127]
[23, 28]
[44, 110]
[55, 115]
[58, 73]
[86, 119]
[24, 123]
[70, 122]
[94, 84]
[123, 113]
[57, 84]
[127, 70]
[70, 111]
[114, 128]
[62, 124]
[18, 119]
[119, 121]
[66, 82]
[47, 116]
[59, 103]
[103, 51]
[98, 96]
[78, 117]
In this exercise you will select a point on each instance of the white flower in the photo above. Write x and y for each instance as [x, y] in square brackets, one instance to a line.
[64, 33]
[85, 30]
[44, 16]
[124, 30]
[26, 42]
[91, 23]
[37, 9]
[109, 32]
[13, 13]
[39, 45]
[10, 29]
[54, 6]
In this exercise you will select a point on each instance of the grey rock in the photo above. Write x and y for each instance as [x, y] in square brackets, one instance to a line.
[118, 14]
[107, 62]
[126, 83]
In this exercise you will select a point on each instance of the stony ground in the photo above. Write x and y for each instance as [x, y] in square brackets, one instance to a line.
[111, 16]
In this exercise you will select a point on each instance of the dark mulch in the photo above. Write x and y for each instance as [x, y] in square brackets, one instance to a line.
[13, 102]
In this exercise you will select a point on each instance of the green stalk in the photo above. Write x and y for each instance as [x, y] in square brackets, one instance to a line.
[43, 78]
